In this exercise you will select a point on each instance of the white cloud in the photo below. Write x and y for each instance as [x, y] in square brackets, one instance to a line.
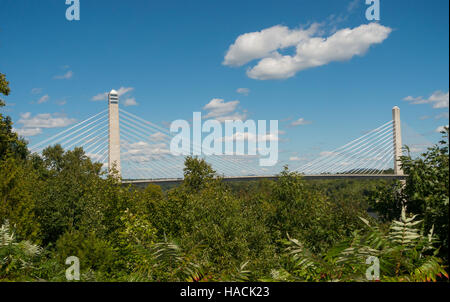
[443, 115]
[144, 152]
[438, 99]
[295, 158]
[300, 121]
[65, 76]
[222, 111]
[25, 115]
[158, 136]
[100, 97]
[327, 153]
[310, 51]
[440, 128]
[43, 99]
[244, 91]
[32, 126]
[130, 102]
[104, 95]
[219, 107]
[256, 45]
[250, 137]
[415, 148]
[28, 131]
[36, 90]
[124, 90]
[45, 120]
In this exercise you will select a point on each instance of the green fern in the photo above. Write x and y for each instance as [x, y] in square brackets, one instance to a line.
[179, 266]
[404, 253]
[16, 258]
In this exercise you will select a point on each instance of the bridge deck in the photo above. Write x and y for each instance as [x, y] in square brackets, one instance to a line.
[274, 177]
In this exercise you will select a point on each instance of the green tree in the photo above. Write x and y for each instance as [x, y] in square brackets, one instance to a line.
[94, 253]
[197, 173]
[306, 213]
[425, 193]
[18, 186]
[10, 143]
[4, 88]
[17, 178]
[69, 176]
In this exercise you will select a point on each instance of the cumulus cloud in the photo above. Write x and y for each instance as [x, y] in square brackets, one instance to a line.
[158, 136]
[300, 121]
[130, 102]
[438, 99]
[28, 131]
[256, 45]
[124, 90]
[33, 125]
[311, 51]
[65, 76]
[104, 95]
[144, 152]
[218, 107]
[222, 111]
[43, 99]
[44, 120]
[100, 97]
[244, 91]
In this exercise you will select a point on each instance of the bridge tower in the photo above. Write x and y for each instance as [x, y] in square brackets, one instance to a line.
[397, 140]
[114, 132]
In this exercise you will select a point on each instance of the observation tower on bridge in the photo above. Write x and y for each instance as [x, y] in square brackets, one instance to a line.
[397, 132]
[114, 132]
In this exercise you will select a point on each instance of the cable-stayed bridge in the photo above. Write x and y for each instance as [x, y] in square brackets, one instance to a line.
[139, 150]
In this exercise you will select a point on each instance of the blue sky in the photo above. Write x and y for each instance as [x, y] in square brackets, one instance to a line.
[171, 55]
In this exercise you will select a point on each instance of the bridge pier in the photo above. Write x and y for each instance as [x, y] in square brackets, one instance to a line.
[114, 132]
[397, 140]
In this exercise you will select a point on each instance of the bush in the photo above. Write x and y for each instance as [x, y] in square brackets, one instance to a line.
[425, 193]
[404, 253]
[94, 253]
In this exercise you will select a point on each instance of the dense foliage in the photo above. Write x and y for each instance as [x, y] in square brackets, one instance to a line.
[425, 192]
[61, 204]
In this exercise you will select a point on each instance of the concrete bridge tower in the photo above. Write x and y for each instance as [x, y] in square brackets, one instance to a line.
[114, 132]
[397, 140]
